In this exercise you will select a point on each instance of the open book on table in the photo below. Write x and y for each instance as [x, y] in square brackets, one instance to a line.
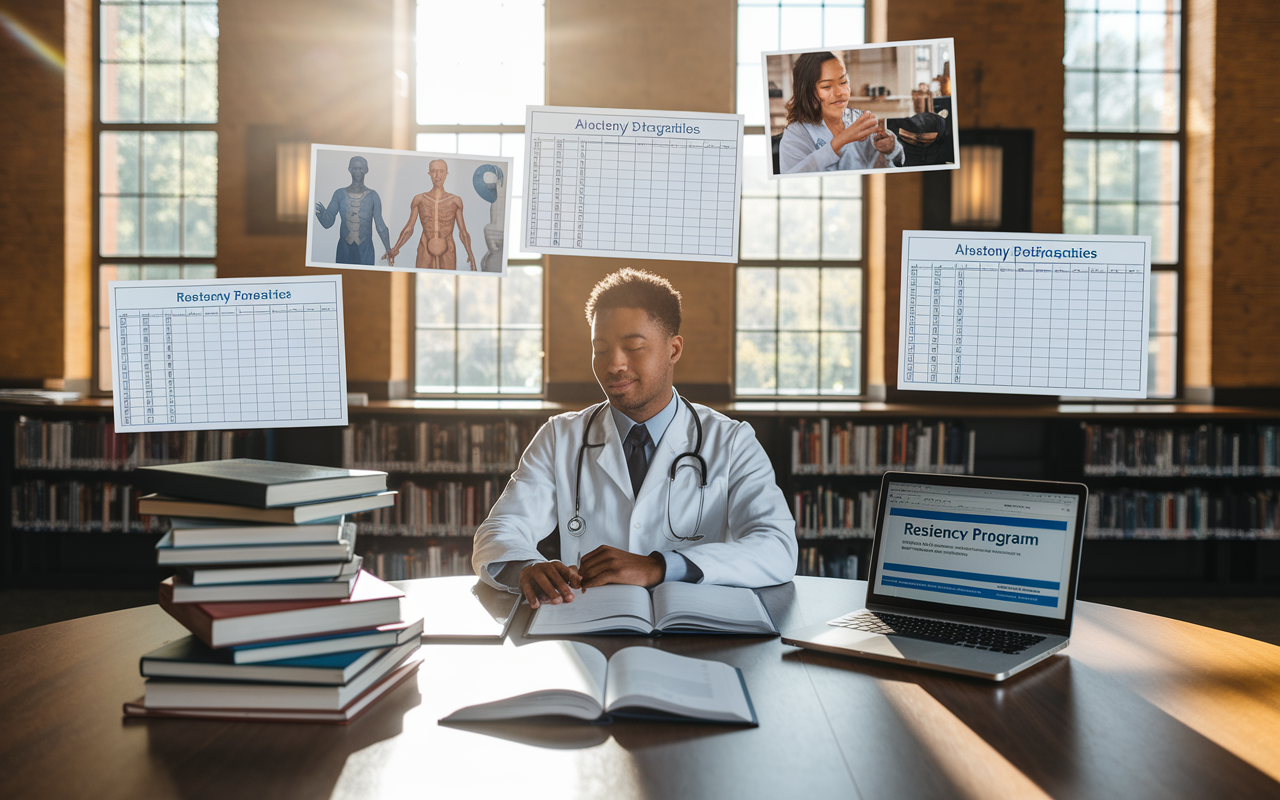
[572, 679]
[670, 607]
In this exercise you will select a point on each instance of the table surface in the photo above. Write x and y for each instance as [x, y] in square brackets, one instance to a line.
[1138, 706]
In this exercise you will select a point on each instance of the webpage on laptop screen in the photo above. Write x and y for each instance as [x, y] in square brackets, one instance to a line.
[979, 548]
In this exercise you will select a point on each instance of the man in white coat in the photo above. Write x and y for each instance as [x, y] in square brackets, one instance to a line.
[620, 515]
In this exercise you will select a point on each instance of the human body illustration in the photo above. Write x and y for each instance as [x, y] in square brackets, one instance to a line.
[438, 211]
[360, 209]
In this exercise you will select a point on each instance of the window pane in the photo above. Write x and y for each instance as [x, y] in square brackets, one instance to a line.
[161, 226]
[436, 299]
[798, 297]
[480, 144]
[840, 366]
[759, 229]
[1162, 366]
[1158, 171]
[841, 230]
[438, 142]
[1160, 222]
[757, 300]
[1077, 218]
[435, 355]
[121, 31]
[521, 361]
[842, 26]
[160, 272]
[199, 226]
[1116, 104]
[841, 298]
[162, 167]
[162, 100]
[1117, 41]
[797, 363]
[121, 92]
[757, 33]
[1080, 41]
[477, 301]
[798, 229]
[756, 357]
[1077, 169]
[502, 76]
[750, 103]
[118, 226]
[163, 26]
[522, 297]
[199, 271]
[757, 165]
[200, 163]
[1078, 110]
[1116, 218]
[478, 360]
[201, 101]
[838, 185]
[1116, 170]
[1159, 41]
[202, 32]
[801, 27]
[1158, 101]
[118, 155]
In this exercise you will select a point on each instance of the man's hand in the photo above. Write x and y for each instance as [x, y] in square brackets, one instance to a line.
[390, 256]
[607, 564]
[550, 582]
[884, 140]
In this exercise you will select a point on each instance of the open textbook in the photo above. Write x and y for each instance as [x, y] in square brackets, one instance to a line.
[572, 679]
[670, 607]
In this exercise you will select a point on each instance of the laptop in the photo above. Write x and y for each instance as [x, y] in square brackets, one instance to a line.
[970, 575]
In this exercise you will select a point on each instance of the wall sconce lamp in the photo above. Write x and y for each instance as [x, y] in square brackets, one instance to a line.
[293, 181]
[976, 188]
[277, 186]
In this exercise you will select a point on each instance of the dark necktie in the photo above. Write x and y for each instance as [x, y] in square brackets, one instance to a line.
[637, 464]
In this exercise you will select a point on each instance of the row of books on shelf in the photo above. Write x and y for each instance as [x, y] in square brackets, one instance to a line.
[827, 565]
[432, 561]
[823, 448]
[445, 508]
[93, 444]
[824, 513]
[1210, 450]
[437, 446]
[1192, 513]
[79, 507]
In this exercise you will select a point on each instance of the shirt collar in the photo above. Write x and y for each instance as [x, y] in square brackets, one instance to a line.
[656, 425]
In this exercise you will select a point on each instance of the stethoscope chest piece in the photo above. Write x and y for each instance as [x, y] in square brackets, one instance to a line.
[575, 525]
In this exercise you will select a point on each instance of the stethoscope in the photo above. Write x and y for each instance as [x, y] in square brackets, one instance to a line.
[577, 524]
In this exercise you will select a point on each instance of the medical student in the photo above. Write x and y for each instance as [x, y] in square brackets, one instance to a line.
[603, 476]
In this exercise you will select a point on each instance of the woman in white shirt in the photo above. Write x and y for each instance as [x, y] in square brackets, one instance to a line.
[823, 134]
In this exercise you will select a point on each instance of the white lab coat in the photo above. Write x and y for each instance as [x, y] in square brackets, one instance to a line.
[749, 534]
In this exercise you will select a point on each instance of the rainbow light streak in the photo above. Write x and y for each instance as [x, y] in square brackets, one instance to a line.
[48, 53]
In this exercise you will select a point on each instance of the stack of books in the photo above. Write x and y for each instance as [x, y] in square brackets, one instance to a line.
[285, 624]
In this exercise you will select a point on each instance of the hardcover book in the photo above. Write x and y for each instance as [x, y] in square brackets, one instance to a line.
[263, 484]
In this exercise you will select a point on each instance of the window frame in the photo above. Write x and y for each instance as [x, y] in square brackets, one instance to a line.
[97, 260]
[513, 257]
[1178, 267]
[860, 264]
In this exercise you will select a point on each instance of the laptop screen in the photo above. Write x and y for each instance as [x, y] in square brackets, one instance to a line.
[977, 547]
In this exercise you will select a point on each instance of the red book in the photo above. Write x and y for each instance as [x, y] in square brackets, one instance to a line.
[372, 603]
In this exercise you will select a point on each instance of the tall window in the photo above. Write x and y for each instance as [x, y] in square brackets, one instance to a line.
[798, 315]
[1122, 161]
[479, 334]
[157, 152]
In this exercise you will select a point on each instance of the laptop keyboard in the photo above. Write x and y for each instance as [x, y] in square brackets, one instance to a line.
[975, 637]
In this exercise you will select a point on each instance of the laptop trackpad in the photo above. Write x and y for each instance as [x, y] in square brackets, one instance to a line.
[843, 638]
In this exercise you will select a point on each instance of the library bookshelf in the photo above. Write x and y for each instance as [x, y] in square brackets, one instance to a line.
[1184, 499]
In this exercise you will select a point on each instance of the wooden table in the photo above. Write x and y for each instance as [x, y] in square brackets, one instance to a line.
[1138, 706]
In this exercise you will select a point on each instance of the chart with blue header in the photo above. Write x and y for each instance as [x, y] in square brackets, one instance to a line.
[1018, 313]
[228, 354]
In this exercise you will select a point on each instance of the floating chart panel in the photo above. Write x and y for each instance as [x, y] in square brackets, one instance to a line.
[224, 354]
[1024, 314]
[633, 184]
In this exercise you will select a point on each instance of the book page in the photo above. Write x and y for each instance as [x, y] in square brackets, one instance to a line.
[692, 603]
[602, 608]
[543, 678]
[646, 677]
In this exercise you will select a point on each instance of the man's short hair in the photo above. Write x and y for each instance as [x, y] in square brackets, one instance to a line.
[635, 288]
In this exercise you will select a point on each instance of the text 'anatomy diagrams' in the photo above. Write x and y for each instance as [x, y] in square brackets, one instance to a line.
[1024, 313]
[635, 184]
[228, 354]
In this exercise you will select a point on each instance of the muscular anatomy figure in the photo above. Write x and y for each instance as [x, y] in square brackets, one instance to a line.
[360, 209]
[438, 211]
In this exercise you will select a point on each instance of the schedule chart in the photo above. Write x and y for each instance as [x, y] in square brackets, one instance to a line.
[1024, 313]
[219, 354]
[635, 184]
